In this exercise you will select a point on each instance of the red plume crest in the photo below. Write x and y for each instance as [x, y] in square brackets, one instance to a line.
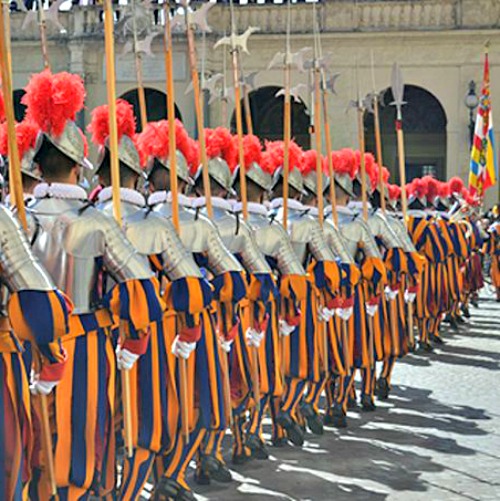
[273, 156]
[53, 99]
[26, 134]
[308, 164]
[125, 121]
[252, 150]
[394, 191]
[432, 187]
[220, 142]
[344, 162]
[456, 185]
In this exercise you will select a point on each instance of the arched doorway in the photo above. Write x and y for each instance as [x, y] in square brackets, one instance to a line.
[424, 125]
[19, 108]
[156, 105]
[267, 116]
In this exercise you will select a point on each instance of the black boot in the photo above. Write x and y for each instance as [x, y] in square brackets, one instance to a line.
[215, 470]
[313, 420]
[336, 417]
[367, 404]
[425, 347]
[437, 339]
[168, 488]
[257, 447]
[465, 310]
[293, 430]
[383, 389]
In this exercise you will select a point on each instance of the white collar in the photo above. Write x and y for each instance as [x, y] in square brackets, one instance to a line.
[126, 195]
[342, 209]
[357, 205]
[256, 208]
[60, 190]
[277, 203]
[27, 197]
[159, 197]
[222, 203]
[193, 202]
[417, 213]
[313, 211]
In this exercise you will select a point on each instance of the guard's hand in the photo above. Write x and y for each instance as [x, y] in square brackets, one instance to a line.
[226, 344]
[39, 386]
[410, 296]
[285, 328]
[182, 348]
[325, 314]
[344, 313]
[254, 337]
[125, 359]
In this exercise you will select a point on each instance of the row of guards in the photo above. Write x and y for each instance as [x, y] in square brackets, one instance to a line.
[141, 325]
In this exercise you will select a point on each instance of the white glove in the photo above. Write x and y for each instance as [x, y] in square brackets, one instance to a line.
[182, 348]
[125, 359]
[344, 313]
[285, 328]
[225, 345]
[371, 309]
[38, 387]
[254, 337]
[325, 314]
[391, 294]
[410, 296]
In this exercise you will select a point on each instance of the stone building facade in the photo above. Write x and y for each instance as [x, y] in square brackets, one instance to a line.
[438, 44]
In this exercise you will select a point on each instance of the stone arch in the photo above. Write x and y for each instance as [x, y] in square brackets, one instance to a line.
[267, 116]
[424, 125]
[156, 105]
[19, 108]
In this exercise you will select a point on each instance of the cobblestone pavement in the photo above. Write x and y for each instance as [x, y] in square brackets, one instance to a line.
[436, 438]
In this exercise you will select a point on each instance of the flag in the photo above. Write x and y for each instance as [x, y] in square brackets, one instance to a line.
[483, 163]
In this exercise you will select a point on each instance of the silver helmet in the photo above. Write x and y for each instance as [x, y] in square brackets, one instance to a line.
[28, 167]
[344, 182]
[127, 154]
[294, 179]
[70, 142]
[311, 182]
[261, 178]
[181, 164]
[219, 171]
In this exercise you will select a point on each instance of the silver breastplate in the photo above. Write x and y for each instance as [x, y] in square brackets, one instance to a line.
[337, 242]
[379, 227]
[399, 228]
[74, 242]
[274, 242]
[200, 236]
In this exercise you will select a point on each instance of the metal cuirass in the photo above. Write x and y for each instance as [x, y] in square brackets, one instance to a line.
[199, 235]
[336, 241]
[274, 242]
[400, 229]
[380, 228]
[74, 240]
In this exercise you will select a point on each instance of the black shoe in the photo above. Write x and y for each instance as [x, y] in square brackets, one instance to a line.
[279, 442]
[426, 347]
[367, 403]
[201, 477]
[215, 469]
[460, 319]
[437, 340]
[257, 447]
[382, 389]
[336, 417]
[465, 311]
[313, 420]
[168, 488]
[293, 431]
[241, 459]
[474, 301]
[352, 403]
[412, 348]
[454, 324]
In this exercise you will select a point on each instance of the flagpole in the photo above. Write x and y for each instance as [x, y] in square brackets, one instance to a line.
[43, 35]
[115, 184]
[172, 160]
[17, 200]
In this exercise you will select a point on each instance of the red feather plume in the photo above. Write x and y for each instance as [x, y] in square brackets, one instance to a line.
[99, 124]
[252, 150]
[432, 187]
[456, 185]
[192, 154]
[221, 143]
[26, 134]
[53, 99]
[344, 162]
[308, 164]
[2, 107]
[418, 187]
[444, 190]
[273, 156]
[394, 191]
[385, 175]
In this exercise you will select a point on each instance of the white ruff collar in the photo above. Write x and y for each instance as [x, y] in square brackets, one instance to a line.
[221, 203]
[357, 206]
[417, 213]
[277, 203]
[342, 209]
[159, 197]
[27, 197]
[195, 202]
[313, 211]
[126, 195]
[60, 190]
[256, 208]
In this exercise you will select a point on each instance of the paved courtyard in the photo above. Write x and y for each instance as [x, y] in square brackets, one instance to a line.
[437, 438]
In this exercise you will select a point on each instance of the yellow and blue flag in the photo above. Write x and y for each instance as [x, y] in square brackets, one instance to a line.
[483, 163]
